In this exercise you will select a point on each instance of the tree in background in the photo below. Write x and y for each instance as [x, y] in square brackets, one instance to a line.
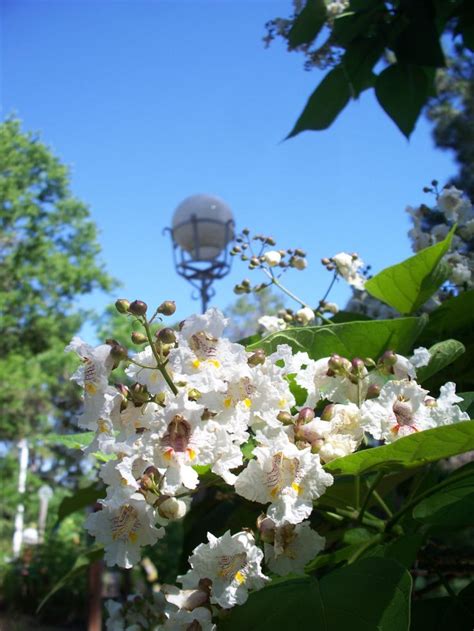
[452, 114]
[245, 312]
[48, 258]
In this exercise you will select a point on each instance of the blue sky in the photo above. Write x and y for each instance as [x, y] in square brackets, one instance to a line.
[150, 101]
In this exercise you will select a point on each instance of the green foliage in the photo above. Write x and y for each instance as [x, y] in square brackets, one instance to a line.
[453, 505]
[352, 339]
[81, 499]
[410, 451]
[409, 284]
[371, 594]
[245, 312]
[49, 258]
[442, 354]
[402, 37]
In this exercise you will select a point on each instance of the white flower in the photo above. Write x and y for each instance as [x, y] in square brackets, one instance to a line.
[149, 376]
[173, 508]
[272, 324]
[232, 563]
[398, 411]
[421, 357]
[347, 266]
[460, 274]
[124, 530]
[272, 258]
[294, 546]
[288, 477]
[182, 620]
[450, 201]
[444, 410]
[305, 315]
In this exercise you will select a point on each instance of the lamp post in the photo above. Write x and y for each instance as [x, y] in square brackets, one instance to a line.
[202, 227]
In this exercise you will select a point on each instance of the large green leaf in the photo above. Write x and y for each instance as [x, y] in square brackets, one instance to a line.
[402, 90]
[408, 285]
[327, 101]
[308, 23]
[410, 451]
[369, 594]
[350, 339]
[442, 354]
[82, 498]
[467, 403]
[453, 505]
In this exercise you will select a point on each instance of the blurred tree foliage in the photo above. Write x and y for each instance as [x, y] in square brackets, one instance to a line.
[247, 309]
[48, 258]
[452, 114]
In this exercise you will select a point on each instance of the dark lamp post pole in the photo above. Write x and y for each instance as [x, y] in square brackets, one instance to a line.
[202, 228]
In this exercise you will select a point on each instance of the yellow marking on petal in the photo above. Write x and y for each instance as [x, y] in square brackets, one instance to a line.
[282, 403]
[228, 402]
[132, 536]
[215, 363]
[240, 578]
[191, 453]
[123, 482]
[274, 492]
[102, 427]
[296, 487]
[154, 376]
[196, 363]
[90, 388]
[168, 454]
[247, 402]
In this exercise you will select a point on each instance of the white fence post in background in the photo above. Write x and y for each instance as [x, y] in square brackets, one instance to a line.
[45, 493]
[23, 453]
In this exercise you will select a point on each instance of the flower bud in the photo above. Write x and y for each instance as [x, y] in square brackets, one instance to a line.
[358, 366]
[288, 318]
[172, 508]
[328, 412]
[139, 393]
[270, 241]
[254, 261]
[257, 358]
[336, 363]
[305, 315]
[149, 479]
[266, 527]
[122, 305]
[299, 252]
[166, 336]
[325, 261]
[388, 359]
[285, 418]
[138, 307]
[305, 415]
[138, 338]
[246, 232]
[373, 391]
[167, 308]
[299, 263]
[118, 353]
[272, 258]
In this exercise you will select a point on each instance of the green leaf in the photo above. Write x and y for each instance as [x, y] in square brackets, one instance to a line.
[351, 339]
[82, 562]
[82, 498]
[418, 43]
[453, 505]
[369, 594]
[409, 451]
[467, 404]
[327, 101]
[442, 354]
[71, 441]
[406, 286]
[402, 90]
[358, 61]
[454, 318]
[404, 549]
[308, 23]
[439, 614]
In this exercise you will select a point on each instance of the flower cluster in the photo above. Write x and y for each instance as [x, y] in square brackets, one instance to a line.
[431, 225]
[198, 400]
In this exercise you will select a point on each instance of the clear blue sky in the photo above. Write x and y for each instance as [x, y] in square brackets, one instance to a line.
[150, 101]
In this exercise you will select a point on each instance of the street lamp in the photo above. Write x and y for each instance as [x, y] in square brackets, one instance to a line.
[202, 227]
